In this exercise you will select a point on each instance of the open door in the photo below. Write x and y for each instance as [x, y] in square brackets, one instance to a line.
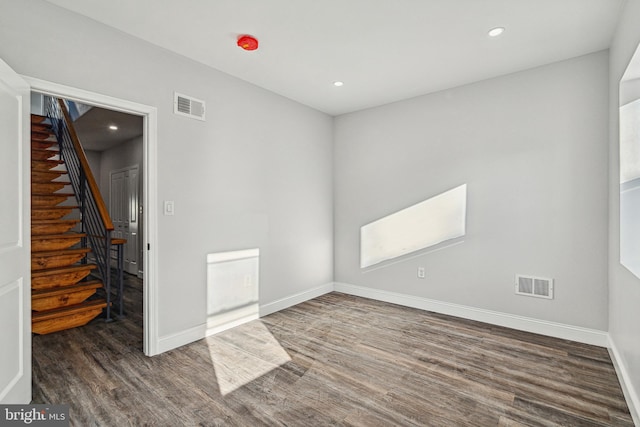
[15, 239]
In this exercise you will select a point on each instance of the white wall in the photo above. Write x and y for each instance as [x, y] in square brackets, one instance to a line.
[94, 158]
[257, 173]
[531, 148]
[624, 287]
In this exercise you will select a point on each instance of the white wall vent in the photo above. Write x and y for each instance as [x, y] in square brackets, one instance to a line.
[188, 106]
[534, 286]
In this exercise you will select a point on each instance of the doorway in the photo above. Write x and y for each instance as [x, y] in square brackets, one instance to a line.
[147, 178]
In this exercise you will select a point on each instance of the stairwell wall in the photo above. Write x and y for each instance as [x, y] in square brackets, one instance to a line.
[257, 173]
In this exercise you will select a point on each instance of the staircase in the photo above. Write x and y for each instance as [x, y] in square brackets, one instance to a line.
[64, 295]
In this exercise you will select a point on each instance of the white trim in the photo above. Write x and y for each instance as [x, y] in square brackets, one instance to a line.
[150, 226]
[626, 383]
[22, 335]
[196, 333]
[178, 339]
[292, 300]
[543, 327]
[87, 97]
[222, 322]
[150, 124]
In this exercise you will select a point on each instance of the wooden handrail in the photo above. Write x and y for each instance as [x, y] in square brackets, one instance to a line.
[84, 163]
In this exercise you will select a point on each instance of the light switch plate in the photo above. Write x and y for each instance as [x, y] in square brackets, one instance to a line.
[169, 207]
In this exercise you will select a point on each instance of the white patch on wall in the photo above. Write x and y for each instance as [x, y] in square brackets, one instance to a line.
[417, 227]
[540, 287]
[232, 289]
[188, 106]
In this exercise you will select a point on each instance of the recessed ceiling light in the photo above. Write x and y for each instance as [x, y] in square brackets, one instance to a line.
[113, 127]
[338, 83]
[495, 32]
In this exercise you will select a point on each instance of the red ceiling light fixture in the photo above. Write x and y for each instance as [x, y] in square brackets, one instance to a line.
[248, 42]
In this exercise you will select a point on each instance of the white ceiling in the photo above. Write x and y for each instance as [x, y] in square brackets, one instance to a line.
[383, 50]
[94, 133]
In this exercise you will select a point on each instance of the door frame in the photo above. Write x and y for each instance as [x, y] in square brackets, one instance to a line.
[150, 197]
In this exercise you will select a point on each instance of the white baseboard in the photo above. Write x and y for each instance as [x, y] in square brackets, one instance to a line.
[221, 322]
[630, 393]
[169, 342]
[173, 341]
[292, 300]
[558, 330]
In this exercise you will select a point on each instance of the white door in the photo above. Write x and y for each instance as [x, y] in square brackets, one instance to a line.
[15, 239]
[124, 199]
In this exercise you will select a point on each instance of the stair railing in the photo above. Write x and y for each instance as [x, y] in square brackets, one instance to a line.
[95, 219]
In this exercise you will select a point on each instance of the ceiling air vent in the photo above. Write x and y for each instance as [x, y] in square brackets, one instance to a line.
[187, 106]
[534, 286]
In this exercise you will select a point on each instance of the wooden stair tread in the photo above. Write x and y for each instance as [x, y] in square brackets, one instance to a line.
[46, 176]
[43, 126]
[66, 296]
[45, 293]
[71, 235]
[118, 241]
[49, 200]
[49, 172]
[62, 252]
[45, 185]
[52, 212]
[55, 151]
[54, 221]
[38, 118]
[42, 260]
[40, 125]
[42, 144]
[43, 208]
[39, 194]
[45, 165]
[62, 270]
[39, 154]
[57, 279]
[43, 180]
[55, 242]
[41, 133]
[78, 308]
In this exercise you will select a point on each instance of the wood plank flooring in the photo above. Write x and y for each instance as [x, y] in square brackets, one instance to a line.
[335, 360]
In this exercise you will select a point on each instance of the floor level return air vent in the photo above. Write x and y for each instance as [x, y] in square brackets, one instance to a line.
[534, 286]
[188, 106]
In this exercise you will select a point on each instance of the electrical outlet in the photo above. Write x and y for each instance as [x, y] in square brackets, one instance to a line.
[421, 273]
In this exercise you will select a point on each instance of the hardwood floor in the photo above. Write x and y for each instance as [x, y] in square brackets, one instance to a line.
[334, 360]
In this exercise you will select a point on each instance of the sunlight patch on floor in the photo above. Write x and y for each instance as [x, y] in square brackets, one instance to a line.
[243, 354]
